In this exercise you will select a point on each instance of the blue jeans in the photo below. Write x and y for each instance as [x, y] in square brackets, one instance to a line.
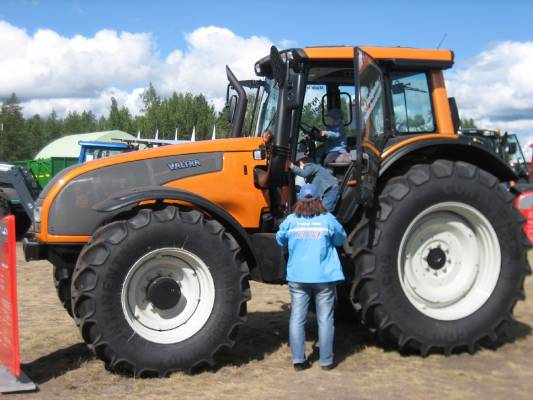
[329, 198]
[324, 295]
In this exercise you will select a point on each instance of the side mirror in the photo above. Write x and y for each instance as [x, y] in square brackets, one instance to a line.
[511, 148]
[345, 106]
[279, 72]
[397, 88]
[232, 106]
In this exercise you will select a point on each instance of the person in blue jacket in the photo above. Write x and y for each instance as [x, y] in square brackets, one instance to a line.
[326, 184]
[311, 234]
[334, 135]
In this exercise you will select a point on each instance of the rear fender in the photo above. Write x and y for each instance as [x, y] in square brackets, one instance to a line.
[462, 149]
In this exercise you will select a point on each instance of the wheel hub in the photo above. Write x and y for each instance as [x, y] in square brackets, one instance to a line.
[168, 295]
[436, 258]
[164, 293]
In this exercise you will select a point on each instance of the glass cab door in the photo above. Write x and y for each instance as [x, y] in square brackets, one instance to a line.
[371, 134]
[370, 123]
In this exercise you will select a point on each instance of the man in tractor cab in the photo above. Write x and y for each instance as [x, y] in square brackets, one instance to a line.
[335, 136]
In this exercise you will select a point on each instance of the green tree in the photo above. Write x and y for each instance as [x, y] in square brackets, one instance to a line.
[179, 111]
[22, 138]
[35, 130]
[13, 138]
[119, 118]
[468, 123]
[53, 128]
[222, 124]
[150, 97]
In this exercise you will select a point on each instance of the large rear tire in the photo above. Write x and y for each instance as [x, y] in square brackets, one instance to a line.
[161, 292]
[441, 260]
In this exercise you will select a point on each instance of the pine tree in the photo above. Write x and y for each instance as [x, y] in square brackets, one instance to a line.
[119, 119]
[13, 140]
[35, 129]
[468, 123]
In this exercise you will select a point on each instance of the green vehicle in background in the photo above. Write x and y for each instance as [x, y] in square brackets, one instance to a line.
[506, 146]
[43, 170]
[22, 181]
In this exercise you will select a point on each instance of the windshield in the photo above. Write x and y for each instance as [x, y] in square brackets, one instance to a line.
[267, 110]
[95, 153]
[517, 157]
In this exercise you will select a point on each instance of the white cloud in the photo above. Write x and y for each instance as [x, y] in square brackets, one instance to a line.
[495, 88]
[201, 68]
[47, 65]
[99, 105]
[49, 71]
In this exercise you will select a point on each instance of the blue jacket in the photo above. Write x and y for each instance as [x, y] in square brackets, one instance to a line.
[311, 243]
[336, 139]
[321, 177]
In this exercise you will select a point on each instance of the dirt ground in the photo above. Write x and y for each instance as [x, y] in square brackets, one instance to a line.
[259, 366]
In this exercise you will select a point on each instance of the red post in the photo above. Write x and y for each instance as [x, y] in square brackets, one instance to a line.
[9, 334]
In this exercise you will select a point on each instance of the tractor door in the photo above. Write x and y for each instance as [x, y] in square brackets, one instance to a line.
[371, 134]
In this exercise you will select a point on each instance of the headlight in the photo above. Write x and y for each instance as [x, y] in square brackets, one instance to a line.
[37, 214]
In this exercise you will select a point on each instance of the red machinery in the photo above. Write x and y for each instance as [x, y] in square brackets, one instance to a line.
[524, 203]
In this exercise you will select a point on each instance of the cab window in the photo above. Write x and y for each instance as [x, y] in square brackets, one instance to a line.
[312, 108]
[316, 106]
[411, 101]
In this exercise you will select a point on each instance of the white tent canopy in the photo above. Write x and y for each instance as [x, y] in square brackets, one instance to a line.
[67, 146]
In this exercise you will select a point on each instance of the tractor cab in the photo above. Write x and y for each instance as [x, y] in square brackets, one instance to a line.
[387, 97]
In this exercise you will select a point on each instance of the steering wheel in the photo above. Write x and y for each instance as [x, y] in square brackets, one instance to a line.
[311, 131]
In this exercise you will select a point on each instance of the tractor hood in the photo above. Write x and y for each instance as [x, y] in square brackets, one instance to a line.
[75, 190]
[181, 149]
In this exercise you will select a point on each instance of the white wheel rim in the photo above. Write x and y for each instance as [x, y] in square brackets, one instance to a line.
[196, 300]
[457, 285]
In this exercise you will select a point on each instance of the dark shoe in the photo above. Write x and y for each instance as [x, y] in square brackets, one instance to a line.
[328, 367]
[301, 366]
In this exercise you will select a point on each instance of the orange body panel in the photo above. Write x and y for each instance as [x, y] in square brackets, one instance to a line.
[372, 148]
[441, 106]
[379, 53]
[230, 187]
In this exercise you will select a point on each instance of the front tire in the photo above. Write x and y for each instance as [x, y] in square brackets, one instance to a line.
[161, 292]
[441, 260]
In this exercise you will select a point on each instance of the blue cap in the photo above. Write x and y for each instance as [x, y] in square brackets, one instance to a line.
[308, 192]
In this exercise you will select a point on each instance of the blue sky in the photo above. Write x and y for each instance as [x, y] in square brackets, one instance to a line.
[74, 55]
[469, 25]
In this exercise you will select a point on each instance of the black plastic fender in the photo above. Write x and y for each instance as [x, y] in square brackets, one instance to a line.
[461, 149]
[128, 199]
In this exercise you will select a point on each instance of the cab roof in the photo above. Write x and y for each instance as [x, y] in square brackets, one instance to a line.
[379, 53]
[400, 57]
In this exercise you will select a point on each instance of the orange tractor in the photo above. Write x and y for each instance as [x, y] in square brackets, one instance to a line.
[153, 250]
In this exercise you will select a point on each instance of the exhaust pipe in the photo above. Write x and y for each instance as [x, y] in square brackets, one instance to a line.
[240, 111]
